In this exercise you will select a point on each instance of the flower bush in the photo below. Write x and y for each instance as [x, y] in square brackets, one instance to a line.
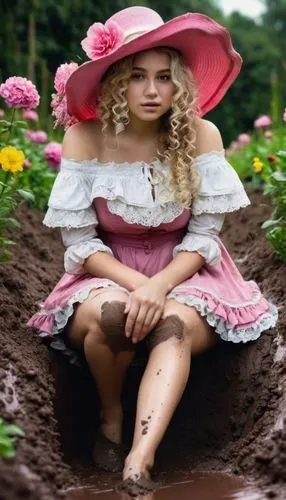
[261, 161]
[17, 92]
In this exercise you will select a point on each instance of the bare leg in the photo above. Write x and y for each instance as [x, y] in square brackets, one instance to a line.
[101, 335]
[164, 381]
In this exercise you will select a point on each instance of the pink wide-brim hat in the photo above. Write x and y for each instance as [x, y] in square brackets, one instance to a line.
[205, 46]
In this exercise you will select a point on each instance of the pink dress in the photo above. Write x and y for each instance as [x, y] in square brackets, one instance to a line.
[116, 210]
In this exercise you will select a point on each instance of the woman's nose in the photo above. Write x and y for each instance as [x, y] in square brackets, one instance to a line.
[151, 88]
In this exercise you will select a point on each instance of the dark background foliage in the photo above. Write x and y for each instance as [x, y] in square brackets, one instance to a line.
[37, 36]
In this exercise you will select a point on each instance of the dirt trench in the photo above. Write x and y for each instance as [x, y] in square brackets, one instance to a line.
[233, 413]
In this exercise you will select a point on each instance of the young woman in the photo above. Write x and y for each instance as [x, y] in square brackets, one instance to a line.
[140, 200]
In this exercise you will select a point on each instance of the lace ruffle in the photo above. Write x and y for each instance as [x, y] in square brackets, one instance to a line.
[137, 215]
[205, 246]
[75, 255]
[138, 192]
[225, 330]
[220, 204]
[70, 218]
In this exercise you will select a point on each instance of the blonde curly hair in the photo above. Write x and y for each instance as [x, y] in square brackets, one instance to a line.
[177, 140]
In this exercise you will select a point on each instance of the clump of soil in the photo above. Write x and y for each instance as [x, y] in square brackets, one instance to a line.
[232, 415]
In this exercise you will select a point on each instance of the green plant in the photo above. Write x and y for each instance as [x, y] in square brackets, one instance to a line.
[8, 436]
[11, 190]
[276, 188]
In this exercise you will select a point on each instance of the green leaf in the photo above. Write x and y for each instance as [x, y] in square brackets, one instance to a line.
[282, 154]
[26, 195]
[279, 176]
[269, 223]
[5, 122]
[4, 257]
[12, 430]
[9, 221]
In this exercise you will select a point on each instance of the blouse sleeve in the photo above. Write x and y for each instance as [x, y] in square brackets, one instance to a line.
[221, 192]
[221, 189]
[70, 209]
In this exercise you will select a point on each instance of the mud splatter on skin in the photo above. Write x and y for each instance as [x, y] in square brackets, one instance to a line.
[145, 429]
[112, 324]
[159, 371]
[171, 326]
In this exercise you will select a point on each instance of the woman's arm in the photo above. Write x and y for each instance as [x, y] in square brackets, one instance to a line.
[104, 265]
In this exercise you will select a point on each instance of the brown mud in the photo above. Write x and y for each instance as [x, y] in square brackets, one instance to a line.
[231, 419]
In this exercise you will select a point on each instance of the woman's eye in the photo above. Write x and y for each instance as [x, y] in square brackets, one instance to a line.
[164, 78]
[137, 76]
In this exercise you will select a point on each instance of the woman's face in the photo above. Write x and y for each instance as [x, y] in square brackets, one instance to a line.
[150, 89]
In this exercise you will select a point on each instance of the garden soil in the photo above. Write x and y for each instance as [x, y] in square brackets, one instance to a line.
[232, 416]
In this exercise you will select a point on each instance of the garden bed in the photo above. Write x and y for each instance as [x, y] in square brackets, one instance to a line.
[233, 413]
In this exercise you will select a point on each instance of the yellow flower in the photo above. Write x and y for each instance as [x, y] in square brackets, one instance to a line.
[257, 165]
[12, 159]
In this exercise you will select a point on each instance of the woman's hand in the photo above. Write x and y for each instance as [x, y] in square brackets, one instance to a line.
[144, 308]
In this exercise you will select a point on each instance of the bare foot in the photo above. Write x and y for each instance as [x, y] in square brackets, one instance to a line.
[107, 454]
[136, 486]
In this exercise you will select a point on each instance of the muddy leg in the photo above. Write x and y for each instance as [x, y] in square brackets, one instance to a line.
[98, 328]
[175, 337]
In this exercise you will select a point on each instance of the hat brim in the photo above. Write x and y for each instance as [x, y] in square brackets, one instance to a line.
[206, 48]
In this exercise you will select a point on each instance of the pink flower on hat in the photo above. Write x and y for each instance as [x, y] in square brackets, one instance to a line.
[62, 75]
[18, 92]
[53, 153]
[29, 114]
[263, 121]
[102, 39]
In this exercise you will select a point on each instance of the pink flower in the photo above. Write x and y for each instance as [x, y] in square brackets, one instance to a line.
[268, 134]
[284, 115]
[2, 113]
[62, 75]
[102, 39]
[53, 153]
[18, 92]
[27, 163]
[59, 107]
[29, 114]
[38, 136]
[234, 145]
[262, 121]
[243, 138]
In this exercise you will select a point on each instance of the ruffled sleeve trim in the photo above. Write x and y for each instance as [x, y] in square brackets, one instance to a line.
[221, 189]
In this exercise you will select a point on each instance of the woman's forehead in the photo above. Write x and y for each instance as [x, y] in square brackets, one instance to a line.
[152, 57]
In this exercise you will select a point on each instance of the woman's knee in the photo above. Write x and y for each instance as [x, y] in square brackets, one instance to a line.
[102, 316]
[169, 328]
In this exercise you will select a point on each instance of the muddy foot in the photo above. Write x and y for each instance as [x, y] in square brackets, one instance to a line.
[108, 455]
[135, 486]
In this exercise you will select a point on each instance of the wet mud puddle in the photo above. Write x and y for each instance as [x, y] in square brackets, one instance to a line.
[199, 486]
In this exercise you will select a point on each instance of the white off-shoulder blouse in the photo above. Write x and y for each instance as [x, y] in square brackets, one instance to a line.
[139, 193]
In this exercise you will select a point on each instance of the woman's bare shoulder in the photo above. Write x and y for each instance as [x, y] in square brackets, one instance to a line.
[82, 140]
[208, 137]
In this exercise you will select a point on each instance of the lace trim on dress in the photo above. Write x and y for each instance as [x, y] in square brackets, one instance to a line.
[226, 331]
[153, 217]
[220, 204]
